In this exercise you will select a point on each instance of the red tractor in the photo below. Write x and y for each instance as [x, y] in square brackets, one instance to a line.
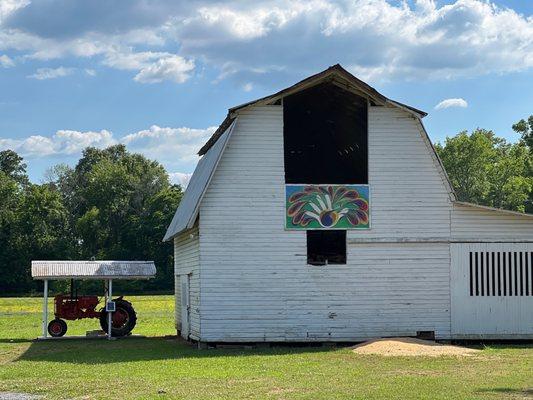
[72, 307]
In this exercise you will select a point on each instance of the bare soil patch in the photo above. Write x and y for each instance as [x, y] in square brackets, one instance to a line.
[411, 347]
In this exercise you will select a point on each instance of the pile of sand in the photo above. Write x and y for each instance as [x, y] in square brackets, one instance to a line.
[410, 347]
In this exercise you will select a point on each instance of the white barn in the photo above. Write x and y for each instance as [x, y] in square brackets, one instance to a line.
[265, 251]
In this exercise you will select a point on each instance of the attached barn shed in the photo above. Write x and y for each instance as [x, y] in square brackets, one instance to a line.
[322, 213]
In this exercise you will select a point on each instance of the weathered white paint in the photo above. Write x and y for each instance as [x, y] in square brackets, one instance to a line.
[479, 224]
[177, 295]
[249, 278]
[187, 262]
[489, 316]
[185, 305]
[409, 197]
[255, 283]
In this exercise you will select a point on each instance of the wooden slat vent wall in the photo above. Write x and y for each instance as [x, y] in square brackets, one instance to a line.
[501, 273]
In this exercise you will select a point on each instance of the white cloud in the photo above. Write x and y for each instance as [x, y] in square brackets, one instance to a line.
[180, 178]
[51, 73]
[168, 144]
[152, 67]
[7, 7]
[448, 103]
[382, 39]
[173, 68]
[250, 24]
[71, 142]
[63, 142]
[127, 60]
[268, 41]
[6, 61]
[175, 148]
[90, 72]
[247, 87]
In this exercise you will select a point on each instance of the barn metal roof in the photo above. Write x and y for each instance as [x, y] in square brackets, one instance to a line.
[335, 71]
[187, 211]
[92, 269]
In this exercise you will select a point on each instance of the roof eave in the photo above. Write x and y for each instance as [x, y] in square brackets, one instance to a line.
[487, 208]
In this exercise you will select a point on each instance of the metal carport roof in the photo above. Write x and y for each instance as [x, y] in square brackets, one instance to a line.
[100, 270]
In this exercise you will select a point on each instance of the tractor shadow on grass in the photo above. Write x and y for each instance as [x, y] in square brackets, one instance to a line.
[15, 340]
[93, 352]
[525, 393]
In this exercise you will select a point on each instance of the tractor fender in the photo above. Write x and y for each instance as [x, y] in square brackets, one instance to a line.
[121, 298]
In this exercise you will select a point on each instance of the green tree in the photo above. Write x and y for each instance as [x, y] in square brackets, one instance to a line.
[525, 129]
[13, 166]
[10, 198]
[510, 178]
[121, 204]
[485, 169]
[112, 205]
[467, 159]
[43, 228]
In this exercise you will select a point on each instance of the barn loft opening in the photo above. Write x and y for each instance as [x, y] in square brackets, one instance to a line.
[326, 247]
[325, 136]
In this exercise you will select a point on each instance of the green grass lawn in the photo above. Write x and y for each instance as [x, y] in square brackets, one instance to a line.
[163, 368]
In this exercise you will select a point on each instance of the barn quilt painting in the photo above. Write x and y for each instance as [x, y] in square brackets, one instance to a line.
[327, 207]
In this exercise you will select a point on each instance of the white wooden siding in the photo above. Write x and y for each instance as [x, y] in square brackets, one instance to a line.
[187, 261]
[477, 224]
[494, 314]
[408, 196]
[255, 282]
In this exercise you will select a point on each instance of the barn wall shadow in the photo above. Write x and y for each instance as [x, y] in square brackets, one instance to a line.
[141, 349]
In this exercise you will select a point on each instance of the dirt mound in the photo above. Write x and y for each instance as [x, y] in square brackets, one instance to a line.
[410, 347]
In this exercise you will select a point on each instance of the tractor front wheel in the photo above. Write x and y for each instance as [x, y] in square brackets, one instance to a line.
[123, 320]
[57, 327]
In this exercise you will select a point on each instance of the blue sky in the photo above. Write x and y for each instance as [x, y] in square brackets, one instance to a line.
[160, 75]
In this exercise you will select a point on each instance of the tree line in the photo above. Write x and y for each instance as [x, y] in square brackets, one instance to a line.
[486, 169]
[117, 205]
[113, 205]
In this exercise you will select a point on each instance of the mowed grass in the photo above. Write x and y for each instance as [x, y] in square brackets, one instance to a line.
[160, 367]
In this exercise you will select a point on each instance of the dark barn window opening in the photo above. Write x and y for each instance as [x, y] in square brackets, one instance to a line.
[325, 136]
[326, 247]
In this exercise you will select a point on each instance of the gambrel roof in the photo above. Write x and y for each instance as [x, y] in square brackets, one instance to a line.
[212, 151]
[336, 74]
[188, 208]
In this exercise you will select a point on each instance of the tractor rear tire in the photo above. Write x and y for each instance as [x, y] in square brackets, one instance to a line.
[124, 319]
[57, 327]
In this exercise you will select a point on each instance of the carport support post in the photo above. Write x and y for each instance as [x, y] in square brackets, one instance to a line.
[109, 298]
[45, 307]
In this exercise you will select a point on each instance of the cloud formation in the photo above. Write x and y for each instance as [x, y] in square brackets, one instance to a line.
[175, 148]
[448, 103]
[173, 68]
[63, 142]
[6, 61]
[169, 145]
[51, 73]
[180, 178]
[274, 40]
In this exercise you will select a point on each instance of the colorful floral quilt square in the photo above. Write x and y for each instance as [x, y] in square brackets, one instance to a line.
[327, 207]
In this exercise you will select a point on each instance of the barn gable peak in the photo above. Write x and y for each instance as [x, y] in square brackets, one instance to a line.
[336, 74]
